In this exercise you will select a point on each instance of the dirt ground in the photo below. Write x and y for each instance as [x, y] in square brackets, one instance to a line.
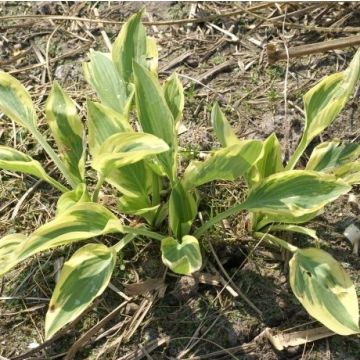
[222, 60]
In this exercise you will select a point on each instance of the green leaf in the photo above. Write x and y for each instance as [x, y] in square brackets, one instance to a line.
[132, 180]
[350, 173]
[225, 164]
[325, 290]
[67, 130]
[328, 156]
[130, 45]
[138, 205]
[295, 192]
[80, 222]
[223, 130]
[184, 258]
[294, 228]
[125, 149]
[270, 160]
[70, 198]
[324, 102]
[13, 160]
[83, 278]
[15, 101]
[102, 123]
[264, 220]
[9, 245]
[174, 96]
[182, 210]
[103, 76]
[154, 115]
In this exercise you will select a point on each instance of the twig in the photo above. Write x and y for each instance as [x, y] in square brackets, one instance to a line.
[228, 33]
[80, 342]
[297, 51]
[23, 198]
[327, 30]
[229, 279]
[148, 23]
[175, 62]
[208, 75]
[151, 346]
[248, 347]
[26, 194]
[60, 57]
[102, 31]
[16, 57]
[47, 62]
[299, 12]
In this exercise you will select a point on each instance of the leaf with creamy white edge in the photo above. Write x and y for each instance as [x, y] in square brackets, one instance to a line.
[295, 193]
[182, 258]
[9, 246]
[80, 222]
[225, 164]
[101, 73]
[155, 116]
[152, 55]
[174, 96]
[15, 101]
[182, 210]
[70, 198]
[102, 122]
[126, 148]
[14, 160]
[329, 156]
[222, 128]
[324, 102]
[325, 290]
[68, 131]
[83, 278]
[130, 44]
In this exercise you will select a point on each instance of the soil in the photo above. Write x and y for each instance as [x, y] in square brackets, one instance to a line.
[195, 318]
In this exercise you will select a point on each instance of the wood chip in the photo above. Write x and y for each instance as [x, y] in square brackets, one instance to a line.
[284, 340]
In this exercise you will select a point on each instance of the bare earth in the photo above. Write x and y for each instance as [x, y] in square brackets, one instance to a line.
[173, 317]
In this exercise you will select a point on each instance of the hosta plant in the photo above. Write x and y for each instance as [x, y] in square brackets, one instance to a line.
[281, 198]
[129, 140]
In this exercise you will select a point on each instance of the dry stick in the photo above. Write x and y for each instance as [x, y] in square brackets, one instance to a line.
[151, 346]
[247, 347]
[298, 12]
[229, 279]
[83, 340]
[60, 57]
[175, 62]
[16, 57]
[149, 23]
[53, 339]
[328, 30]
[348, 29]
[102, 31]
[227, 66]
[195, 339]
[139, 317]
[297, 51]
[47, 62]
